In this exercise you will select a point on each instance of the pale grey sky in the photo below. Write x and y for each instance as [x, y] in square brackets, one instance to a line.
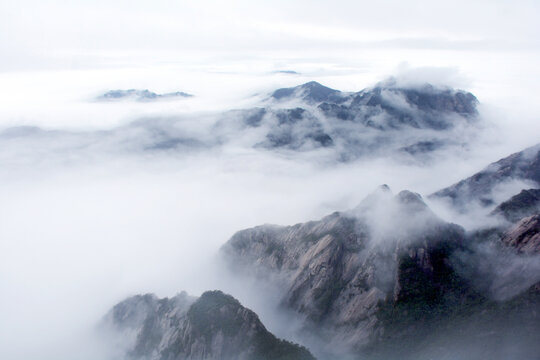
[42, 34]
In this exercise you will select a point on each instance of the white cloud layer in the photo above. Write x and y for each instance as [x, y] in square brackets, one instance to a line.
[81, 230]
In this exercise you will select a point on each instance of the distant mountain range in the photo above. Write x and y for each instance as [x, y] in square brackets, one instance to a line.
[140, 95]
[383, 121]
[388, 279]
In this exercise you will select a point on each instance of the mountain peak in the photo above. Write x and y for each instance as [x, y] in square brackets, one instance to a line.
[311, 91]
[384, 187]
[479, 188]
[213, 326]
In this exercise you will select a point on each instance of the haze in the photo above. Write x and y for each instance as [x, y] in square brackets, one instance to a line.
[82, 228]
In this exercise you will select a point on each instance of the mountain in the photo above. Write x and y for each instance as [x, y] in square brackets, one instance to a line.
[409, 124]
[524, 204]
[479, 188]
[310, 92]
[525, 235]
[423, 106]
[380, 120]
[213, 326]
[140, 95]
[343, 272]
[389, 279]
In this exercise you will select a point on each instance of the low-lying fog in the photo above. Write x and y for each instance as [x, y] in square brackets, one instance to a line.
[82, 229]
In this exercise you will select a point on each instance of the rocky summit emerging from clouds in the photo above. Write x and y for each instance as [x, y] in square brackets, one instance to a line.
[355, 276]
[387, 105]
[310, 121]
[389, 279]
[384, 119]
[213, 326]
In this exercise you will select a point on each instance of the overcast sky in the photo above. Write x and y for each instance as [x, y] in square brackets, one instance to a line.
[39, 34]
[491, 47]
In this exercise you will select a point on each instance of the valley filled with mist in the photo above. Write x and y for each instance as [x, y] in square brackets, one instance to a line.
[301, 186]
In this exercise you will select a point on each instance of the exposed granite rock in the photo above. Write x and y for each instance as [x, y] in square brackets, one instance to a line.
[525, 235]
[524, 165]
[214, 326]
[341, 272]
[387, 280]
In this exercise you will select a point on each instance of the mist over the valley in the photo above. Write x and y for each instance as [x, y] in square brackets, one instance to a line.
[94, 212]
[129, 160]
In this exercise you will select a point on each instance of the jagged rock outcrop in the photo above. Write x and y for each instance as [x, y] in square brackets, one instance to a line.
[525, 235]
[386, 279]
[524, 165]
[346, 272]
[213, 326]
[389, 279]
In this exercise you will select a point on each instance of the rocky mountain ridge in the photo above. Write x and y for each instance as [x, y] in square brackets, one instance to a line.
[389, 273]
[340, 271]
[368, 120]
[522, 166]
[213, 326]
[525, 235]
[387, 279]
[524, 204]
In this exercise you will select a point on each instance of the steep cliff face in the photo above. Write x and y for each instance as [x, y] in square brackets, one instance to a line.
[346, 272]
[214, 326]
[525, 235]
[387, 279]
